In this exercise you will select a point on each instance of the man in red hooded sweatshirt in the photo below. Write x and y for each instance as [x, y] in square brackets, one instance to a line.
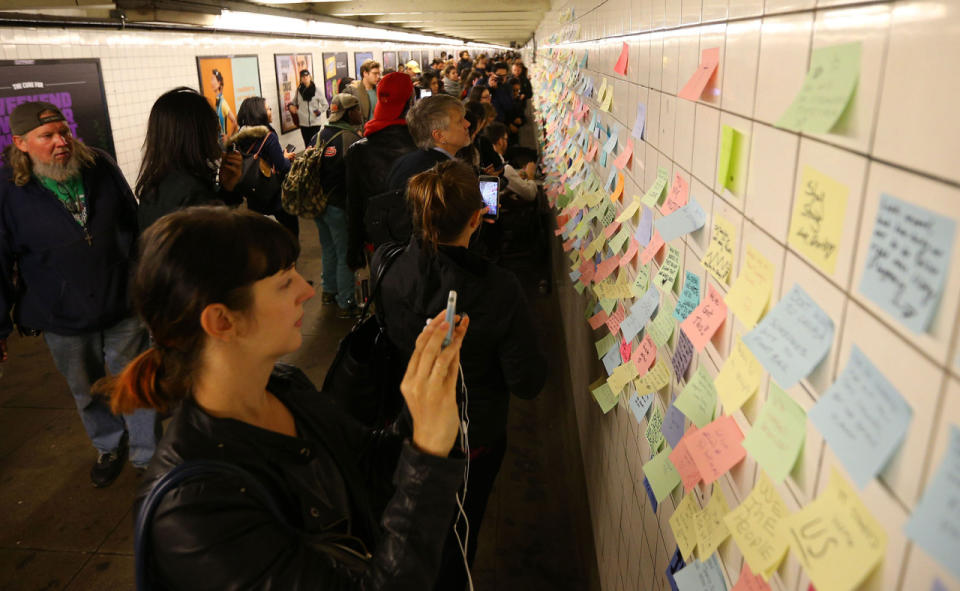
[369, 160]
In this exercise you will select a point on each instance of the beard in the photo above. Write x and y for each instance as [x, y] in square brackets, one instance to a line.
[60, 171]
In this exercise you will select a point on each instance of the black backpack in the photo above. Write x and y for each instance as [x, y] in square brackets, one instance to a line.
[387, 218]
[259, 183]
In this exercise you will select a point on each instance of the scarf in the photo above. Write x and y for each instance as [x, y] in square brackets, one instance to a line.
[308, 91]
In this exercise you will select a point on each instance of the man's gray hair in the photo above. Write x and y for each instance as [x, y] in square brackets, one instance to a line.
[430, 114]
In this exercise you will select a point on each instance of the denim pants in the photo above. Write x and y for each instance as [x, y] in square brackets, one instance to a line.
[81, 359]
[337, 276]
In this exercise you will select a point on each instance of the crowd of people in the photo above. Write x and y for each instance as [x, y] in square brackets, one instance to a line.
[173, 300]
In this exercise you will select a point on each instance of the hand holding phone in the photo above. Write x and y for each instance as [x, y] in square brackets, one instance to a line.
[451, 312]
[490, 191]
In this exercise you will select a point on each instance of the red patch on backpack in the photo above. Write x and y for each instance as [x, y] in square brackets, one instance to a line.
[330, 152]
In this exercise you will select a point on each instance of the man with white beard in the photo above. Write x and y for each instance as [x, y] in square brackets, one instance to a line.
[68, 232]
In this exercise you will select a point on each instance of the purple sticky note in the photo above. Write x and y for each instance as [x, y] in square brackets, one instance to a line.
[644, 226]
[672, 427]
[682, 355]
[653, 497]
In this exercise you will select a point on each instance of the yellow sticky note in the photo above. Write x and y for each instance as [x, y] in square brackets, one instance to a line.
[621, 376]
[738, 379]
[653, 380]
[595, 245]
[719, 256]
[683, 524]
[757, 527]
[750, 294]
[816, 225]
[711, 529]
[629, 210]
[835, 538]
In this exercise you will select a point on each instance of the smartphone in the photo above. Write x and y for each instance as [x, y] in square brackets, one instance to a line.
[451, 312]
[290, 148]
[490, 191]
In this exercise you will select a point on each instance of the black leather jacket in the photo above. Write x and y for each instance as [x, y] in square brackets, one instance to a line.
[332, 480]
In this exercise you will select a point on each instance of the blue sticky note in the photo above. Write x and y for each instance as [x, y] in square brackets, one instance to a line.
[611, 180]
[686, 219]
[908, 261]
[644, 226]
[575, 274]
[646, 305]
[639, 405]
[602, 159]
[611, 141]
[689, 297]
[612, 360]
[583, 61]
[640, 123]
[593, 123]
[935, 523]
[631, 326]
[672, 427]
[792, 338]
[862, 417]
[701, 576]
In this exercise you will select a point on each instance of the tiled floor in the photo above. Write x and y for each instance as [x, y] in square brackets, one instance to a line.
[58, 532]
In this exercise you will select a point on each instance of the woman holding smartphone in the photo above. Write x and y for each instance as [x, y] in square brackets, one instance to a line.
[499, 357]
[222, 299]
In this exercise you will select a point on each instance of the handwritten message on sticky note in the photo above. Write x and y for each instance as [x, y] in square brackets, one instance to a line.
[681, 222]
[716, 448]
[777, 436]
[653, 433]
[698, 400]
[862, 417]
[662, 326]
[605, 397]
[621, 65]
[646, 305]
[826, 91]
[709, 60]
[683, 524]
[615, 319]
[661, 474]
[667, 275]
[711, 529]
[683, 462]
[677, 197]
[749, 581]
[672, 428]
[655, 192]
[729, 168]
[755, 526]
[621, 376]
[705, 319]
[750, 294]
[701, 576]
[816, 226]
[718, 259]
[639, 405]
[645, 356]
[739, 378]
[689, 296]
[792, 339]
[837, 520]
[682, 355]
[935, 522]
[908, 261]
[641, 282]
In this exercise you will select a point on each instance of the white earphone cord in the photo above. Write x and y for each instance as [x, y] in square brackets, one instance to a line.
[461, 499]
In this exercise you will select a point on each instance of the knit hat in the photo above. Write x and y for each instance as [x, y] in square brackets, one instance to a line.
[340, 104]
[27, 116]
[393, 94]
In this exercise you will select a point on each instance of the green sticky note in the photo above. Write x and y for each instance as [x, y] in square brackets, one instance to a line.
[698, 401]
[604, 344]
[653, 433]
[777, 436]
[661, 474]
[728, 170]
[642, 281]
[826, 91]
[616, 243]
[667, 275]
[662, 326]
[655, 193]
[608, 304]
[604, 395]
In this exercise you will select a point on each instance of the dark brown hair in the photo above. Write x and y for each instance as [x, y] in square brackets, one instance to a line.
[188, 260]
[443, 199]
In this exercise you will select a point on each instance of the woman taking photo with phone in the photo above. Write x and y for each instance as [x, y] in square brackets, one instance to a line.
[222, 299]
[500, 356]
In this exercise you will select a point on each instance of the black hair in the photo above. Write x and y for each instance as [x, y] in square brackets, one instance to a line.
[495, 132]
[253, 111]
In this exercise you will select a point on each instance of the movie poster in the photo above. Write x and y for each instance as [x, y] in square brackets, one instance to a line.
[75, 86]
[289, 66]
[358, 58]
[389, 60]
[403, 57]
[336, 67]
[226, 81]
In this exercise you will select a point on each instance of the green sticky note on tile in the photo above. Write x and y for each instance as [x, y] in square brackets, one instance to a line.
[698, 400]
[661, 474]
[777, 436]
[608, 304]
[604, 395]
[642, 281]
[826, 91]
[604, 344]
[662, 326]
[728, 170]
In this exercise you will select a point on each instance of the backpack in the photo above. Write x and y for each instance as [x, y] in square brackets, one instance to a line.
[302, 189]
[259, 183]
[387, 218]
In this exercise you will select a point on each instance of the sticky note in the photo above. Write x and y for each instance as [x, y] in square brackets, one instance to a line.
[816, 225]
[755, 526]
[625, 349]
[716, 448]
[653, 433]
[701, 576]
[718, 259]
[689, 296]
[826, 91]
[652, 248]
[709, 60]
[792, 339]
[607, 99]
[750, 294]
[683, 462]
[612, 360]
[621, 65]
[777, 436]
[705, 319]
[661, 474]
[662, 326]
[677, 196]
[908, 261]
[681, 222]
[625, 155]
[629, 210]
[672, 427]
[836, 539]
[614, 320]
[583, 61]
[935, 523]
[862, 417]
[631, 326]
[639, 405]
[682, 355]
[640, 122]
[621, 376]
[616, 243]
[644, 226]
[604, 344]
[655, 192]
[739, 378]
[597, 320]
[711, 529]
[731, 149]
[606, 267]
[650, 494]
[667, 275]
[618, 189]
[604, 396]
[683, 524]
[749, 581]
[698, 400]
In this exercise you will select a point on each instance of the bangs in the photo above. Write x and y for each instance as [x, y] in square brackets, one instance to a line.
[268, 247]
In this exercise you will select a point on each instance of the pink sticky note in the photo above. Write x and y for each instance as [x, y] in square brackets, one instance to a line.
[568, 120]
[621, 67]
[652, 248]
[597, 320]
[616, 319]
[709, 60]
[683, 462]
[705, 319]
[625, 347]
[606, 267]
[610, 230]
[594, 146]
[631, 252]
[568, 245]
[624, 156]
[716, 448]
[749, 581]
[645, 355]
[677, 197]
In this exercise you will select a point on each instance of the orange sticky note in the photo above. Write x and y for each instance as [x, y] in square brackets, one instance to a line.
[709, 60]
[594, 146]
[619, 190]
[749, 581]
[652, 248]
[624, 156]
[631, 252]
[610, 230]
[597, 320]
[645, 355]
[616, 319]
[705, 319]
[677, 197]
[621, 67]
[716, 448]
[606, 267]
[683, 461]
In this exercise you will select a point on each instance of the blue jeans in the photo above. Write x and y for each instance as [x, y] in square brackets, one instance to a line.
[337, 276]
[81, 359]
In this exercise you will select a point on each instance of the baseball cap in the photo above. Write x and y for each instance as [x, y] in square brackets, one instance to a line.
[393, 94]
[304, 73]
[340, 104]
[413, 66]
[27, 116]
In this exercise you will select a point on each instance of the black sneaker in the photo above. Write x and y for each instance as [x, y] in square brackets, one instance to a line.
[350, 312]
[327, 298]
[108, 467]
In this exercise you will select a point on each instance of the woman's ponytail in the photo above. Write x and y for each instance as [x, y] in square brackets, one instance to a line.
[443, 199]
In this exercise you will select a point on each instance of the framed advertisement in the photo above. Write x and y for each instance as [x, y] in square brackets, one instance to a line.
[389, 60]
[335, 68]
[358, 58]
[424, 59]
[403, 57]
[75, 86]
[226, 80]
[289, 66]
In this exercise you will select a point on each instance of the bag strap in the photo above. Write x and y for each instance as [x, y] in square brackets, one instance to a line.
[333, 137]
[265, 138]
[389, 256]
